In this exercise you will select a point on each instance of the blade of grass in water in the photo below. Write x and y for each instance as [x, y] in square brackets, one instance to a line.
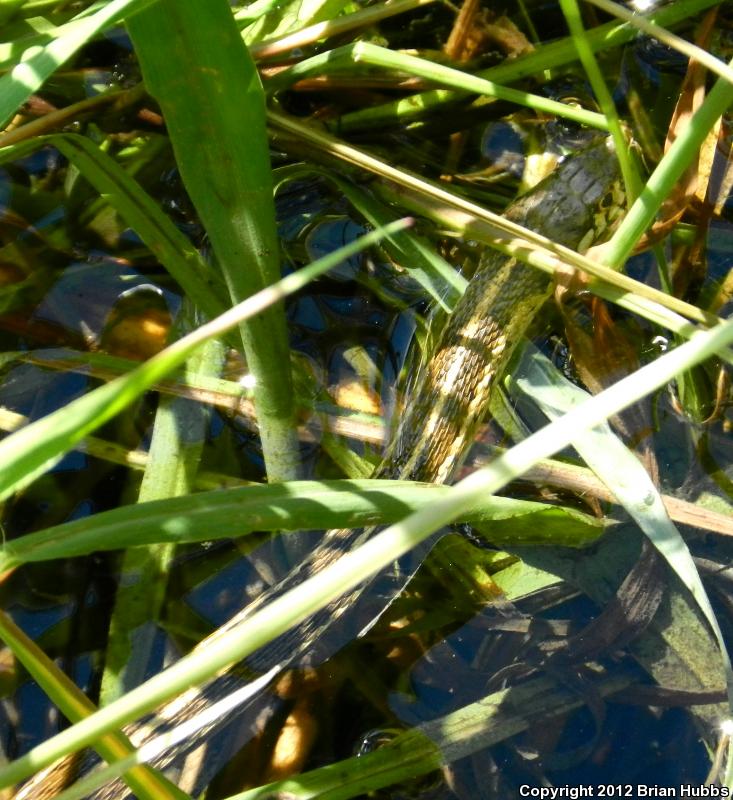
[354, 567]
[195, 64]
[430, 745]
[175, 451]
[295, 505]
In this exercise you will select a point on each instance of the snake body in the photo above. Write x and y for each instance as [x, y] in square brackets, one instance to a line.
[572, 206]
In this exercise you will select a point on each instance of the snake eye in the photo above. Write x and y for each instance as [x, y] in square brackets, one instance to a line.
[607, 201]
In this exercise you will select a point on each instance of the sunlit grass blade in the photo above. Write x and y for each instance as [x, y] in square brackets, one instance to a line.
[331, 27]
[289, 16]
[367, 53]
[165, 741]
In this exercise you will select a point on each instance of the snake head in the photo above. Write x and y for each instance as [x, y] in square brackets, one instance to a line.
[579, 201]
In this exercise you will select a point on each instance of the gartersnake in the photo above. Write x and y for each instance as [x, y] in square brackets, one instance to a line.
[573, 206]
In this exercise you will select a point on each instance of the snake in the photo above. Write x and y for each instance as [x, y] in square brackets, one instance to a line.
[576, 206]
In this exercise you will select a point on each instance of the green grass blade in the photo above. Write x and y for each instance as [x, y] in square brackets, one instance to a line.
[365, 52]
[290, 17]
[222, 151]
[293, 505]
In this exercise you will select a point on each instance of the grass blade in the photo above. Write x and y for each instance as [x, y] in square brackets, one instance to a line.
[223, 154]
[294, 505]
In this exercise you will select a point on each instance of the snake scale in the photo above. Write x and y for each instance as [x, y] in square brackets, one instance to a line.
[573, 206]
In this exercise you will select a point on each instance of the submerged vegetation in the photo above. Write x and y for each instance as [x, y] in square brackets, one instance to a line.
[165, 164]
